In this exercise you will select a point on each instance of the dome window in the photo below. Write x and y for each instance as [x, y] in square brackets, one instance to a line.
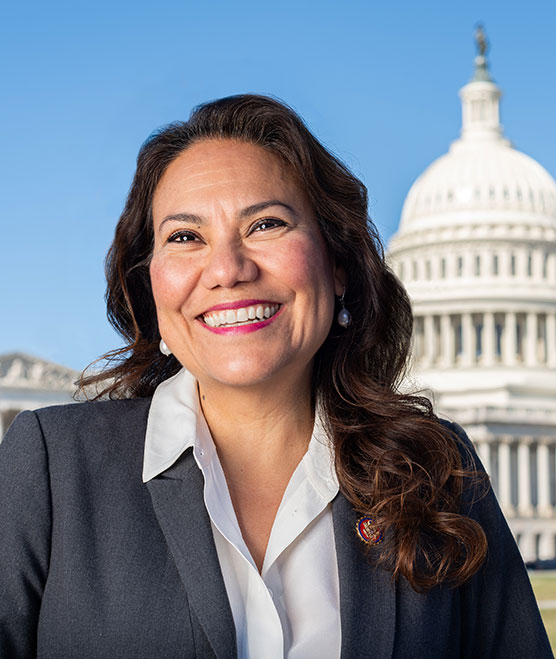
[478, 339]
[495, 264]
[443, 268]
[460, 266]
[532, 198]
[491, 193]
[450, 195]
[477, 265]
[458, 337]
[512, 265]
[428, 270]
[529, 265]
[498, 332]
[506, 194]
[545, 266]
[400, 271]
[519, 194]
[520, 321]
[415, 271]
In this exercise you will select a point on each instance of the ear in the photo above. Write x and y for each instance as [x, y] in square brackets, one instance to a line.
[339, 280]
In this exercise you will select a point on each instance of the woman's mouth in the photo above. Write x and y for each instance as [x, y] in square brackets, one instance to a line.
[238, 317]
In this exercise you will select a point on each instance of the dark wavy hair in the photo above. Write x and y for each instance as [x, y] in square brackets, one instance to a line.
[394, 460]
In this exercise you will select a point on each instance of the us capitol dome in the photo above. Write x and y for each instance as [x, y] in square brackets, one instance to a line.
[476, 250]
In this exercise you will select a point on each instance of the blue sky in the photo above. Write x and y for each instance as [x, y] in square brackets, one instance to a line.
[85, 83]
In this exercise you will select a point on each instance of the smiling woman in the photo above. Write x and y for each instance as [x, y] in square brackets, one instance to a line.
[256, 485]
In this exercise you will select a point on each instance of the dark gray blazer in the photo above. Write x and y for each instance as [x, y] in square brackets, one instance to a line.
[96, 564]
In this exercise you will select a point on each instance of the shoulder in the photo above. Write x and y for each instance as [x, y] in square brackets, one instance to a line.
[469, 456]
[126, 413]
[115, 425]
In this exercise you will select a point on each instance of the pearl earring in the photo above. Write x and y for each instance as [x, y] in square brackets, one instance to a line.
[164, 349]
[344, 317]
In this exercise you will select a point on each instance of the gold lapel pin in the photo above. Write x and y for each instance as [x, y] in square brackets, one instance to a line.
[368, 531]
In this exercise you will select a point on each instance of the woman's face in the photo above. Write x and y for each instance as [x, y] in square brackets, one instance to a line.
[242, 280]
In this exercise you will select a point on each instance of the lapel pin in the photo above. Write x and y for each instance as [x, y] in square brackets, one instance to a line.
[368, 531]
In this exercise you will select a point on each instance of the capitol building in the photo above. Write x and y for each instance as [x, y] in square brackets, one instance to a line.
[476, 250]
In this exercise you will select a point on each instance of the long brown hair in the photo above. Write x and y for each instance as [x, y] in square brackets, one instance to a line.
[395, 461]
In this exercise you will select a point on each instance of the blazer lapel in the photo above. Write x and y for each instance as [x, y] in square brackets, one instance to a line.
[177, 497]
[367, 593]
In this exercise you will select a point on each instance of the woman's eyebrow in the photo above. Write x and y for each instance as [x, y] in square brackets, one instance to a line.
[257, 208]
[192, 218]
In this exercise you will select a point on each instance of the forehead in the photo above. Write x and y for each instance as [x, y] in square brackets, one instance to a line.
[217, 170]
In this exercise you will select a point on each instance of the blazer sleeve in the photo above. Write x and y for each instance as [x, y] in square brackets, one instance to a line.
[500, 616]
[25, 523]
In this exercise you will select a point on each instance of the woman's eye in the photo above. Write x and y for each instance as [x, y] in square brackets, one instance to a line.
[183, 237]
[268, 223]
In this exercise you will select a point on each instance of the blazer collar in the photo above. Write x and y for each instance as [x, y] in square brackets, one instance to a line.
[367, 592]
[177, 497]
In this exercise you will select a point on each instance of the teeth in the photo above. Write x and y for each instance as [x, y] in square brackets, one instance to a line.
[245, 315]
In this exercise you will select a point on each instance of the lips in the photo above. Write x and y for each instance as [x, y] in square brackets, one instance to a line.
[238, 316]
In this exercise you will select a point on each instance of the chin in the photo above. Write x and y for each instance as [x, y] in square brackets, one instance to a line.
[258, 372]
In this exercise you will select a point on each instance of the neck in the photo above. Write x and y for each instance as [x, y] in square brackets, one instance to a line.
[266, 427]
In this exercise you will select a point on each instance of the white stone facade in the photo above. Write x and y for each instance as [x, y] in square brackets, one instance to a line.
[27, 383]
[476, 250]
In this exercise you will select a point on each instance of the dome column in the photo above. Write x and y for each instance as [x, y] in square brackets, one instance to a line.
[467, 339]
[524, 478]
[488, 338]
[531, 334]
[447, 334]
[430, 340]
[504, 476]
[510, 330]
[543, 480]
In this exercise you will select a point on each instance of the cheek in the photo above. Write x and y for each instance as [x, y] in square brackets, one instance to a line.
[170, 284]
[309, 269]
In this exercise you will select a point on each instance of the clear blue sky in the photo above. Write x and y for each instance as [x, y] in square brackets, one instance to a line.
[85, 83]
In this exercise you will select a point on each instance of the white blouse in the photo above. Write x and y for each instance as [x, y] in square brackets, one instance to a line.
[292, 608]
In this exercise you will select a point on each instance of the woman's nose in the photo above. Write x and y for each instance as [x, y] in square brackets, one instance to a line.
[228, 265]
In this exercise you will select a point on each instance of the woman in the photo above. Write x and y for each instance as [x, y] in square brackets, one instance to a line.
[256, 486]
